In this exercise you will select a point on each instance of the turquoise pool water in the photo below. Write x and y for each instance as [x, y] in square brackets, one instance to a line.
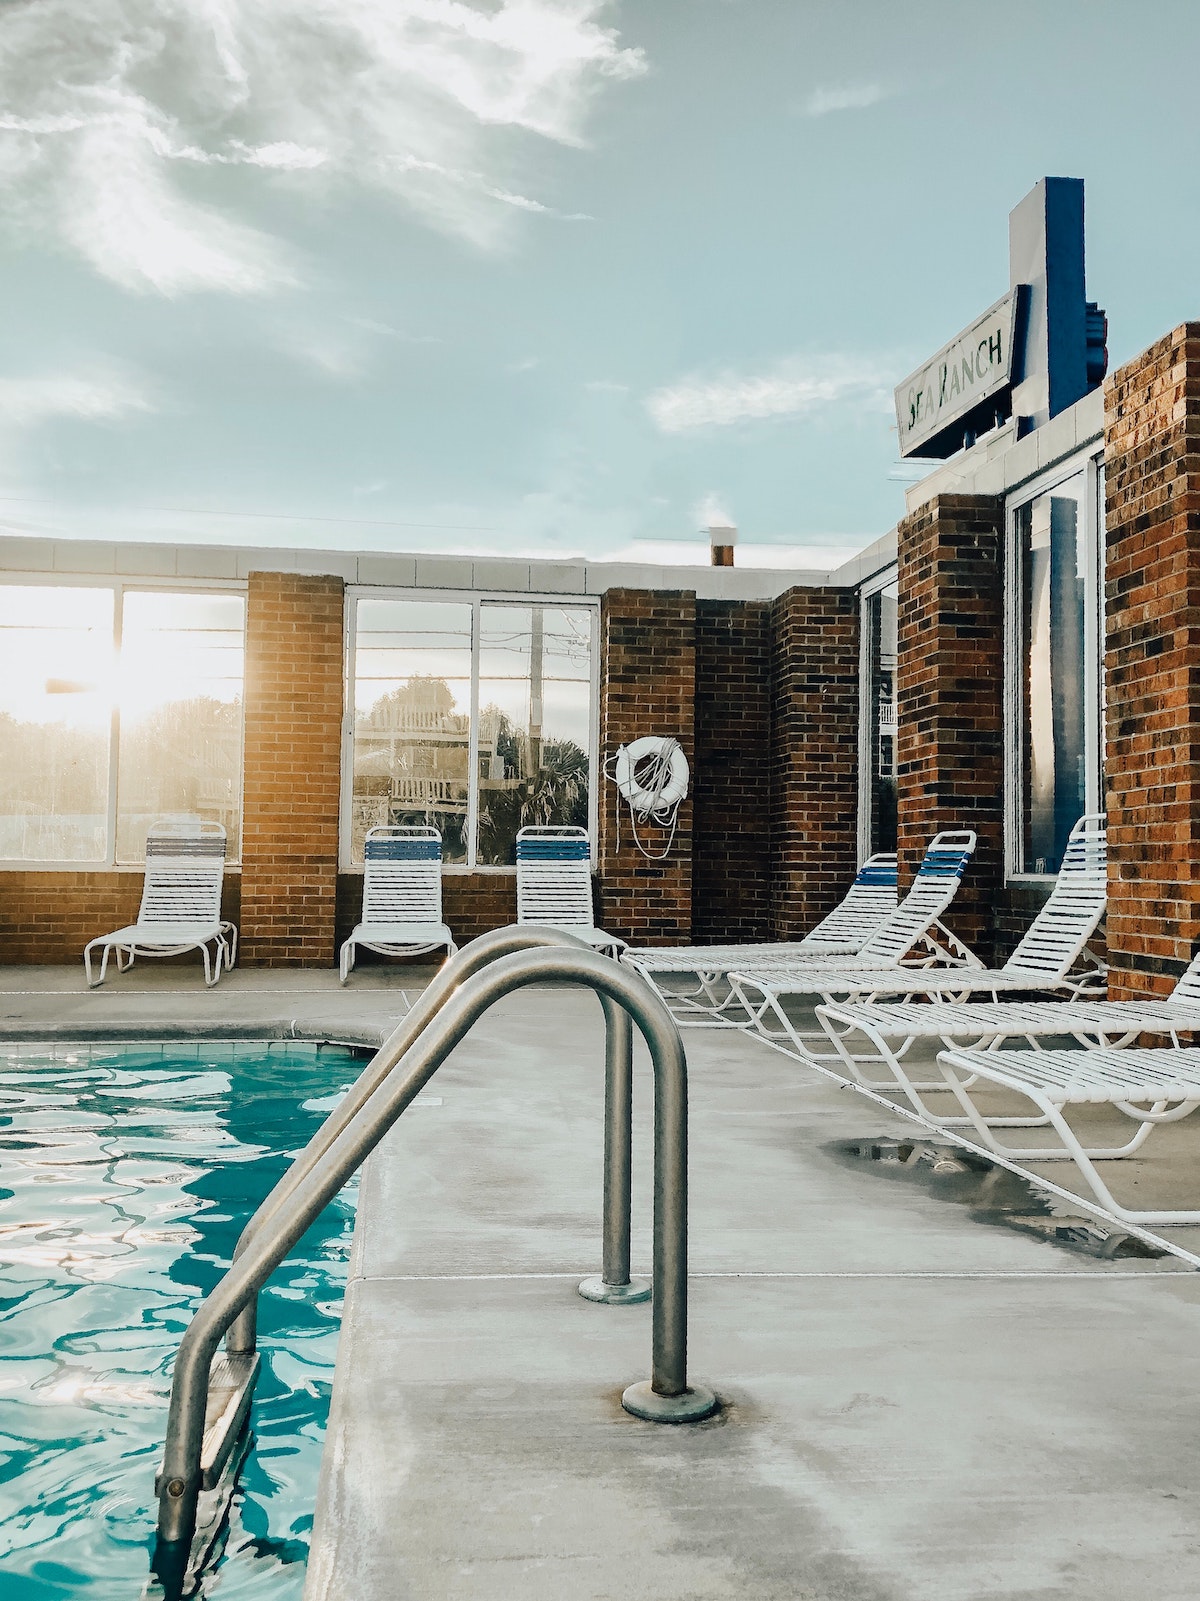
[126, 1174]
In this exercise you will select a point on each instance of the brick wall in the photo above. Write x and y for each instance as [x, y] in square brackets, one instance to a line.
[648, 686]
[293, 723]
[763, 697]
[814, 754]
[731, 869]
[1152, 660]
[950, 701]
[50, 917]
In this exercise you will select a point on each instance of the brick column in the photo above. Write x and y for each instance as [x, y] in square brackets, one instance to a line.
[292, 770]
[648, 686]
[950, 696]
[731, 869]
[1152, 661]
[814, 755]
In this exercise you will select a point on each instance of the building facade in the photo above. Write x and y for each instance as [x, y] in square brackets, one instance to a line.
[1023, 648]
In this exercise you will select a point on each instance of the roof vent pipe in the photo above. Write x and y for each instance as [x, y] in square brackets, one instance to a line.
[722, 537]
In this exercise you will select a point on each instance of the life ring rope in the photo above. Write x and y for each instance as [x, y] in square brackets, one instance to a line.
[651, 775]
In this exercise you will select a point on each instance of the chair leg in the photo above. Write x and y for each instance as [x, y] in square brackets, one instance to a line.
[94, 983]
[911, 1088]
[783, 1035]
[1070, 1150]
[1073, 1151]
[347, 960]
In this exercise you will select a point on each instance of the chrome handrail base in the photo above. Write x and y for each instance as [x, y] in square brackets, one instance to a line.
[631, 1293]
[696, 1403]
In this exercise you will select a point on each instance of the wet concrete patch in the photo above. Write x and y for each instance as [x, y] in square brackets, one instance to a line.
[993, 1194]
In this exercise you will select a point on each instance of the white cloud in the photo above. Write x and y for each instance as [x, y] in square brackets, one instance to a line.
[385, 330]
[100, 394]
[790, 389]
[842, 97]
[92, 397]
[108, 103]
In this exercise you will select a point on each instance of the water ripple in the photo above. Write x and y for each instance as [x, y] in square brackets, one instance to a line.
[126, 1174]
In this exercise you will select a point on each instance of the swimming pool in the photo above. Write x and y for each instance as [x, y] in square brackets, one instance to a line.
[126, 1175]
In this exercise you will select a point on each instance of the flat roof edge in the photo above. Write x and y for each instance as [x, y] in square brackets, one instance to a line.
[128, 560]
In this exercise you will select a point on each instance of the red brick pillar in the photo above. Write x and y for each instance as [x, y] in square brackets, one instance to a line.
[1152, 662]
[292, 783]
[648, 686]
[950, 697]
[731, 869]
[814, 755]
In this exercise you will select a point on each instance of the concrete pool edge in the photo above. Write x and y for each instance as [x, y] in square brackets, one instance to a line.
[270, 1031]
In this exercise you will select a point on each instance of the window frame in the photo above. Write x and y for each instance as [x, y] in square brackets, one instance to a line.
[867, 592]
[119, 587]
[1091, 464]
[476, 599]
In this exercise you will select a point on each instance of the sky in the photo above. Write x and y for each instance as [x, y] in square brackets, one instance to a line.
[541, 277]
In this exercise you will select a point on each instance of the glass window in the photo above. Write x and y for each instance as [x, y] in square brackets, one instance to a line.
[877, 783]
[412, 719]
[535, 695]
[117, 708]
[1051, 535]
[179, 691]
[56, 658]
[422, 669]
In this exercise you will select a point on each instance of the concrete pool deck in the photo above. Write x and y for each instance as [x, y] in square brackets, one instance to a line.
[918, 1404]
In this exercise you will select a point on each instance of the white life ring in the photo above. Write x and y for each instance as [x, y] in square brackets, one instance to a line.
[671, 787]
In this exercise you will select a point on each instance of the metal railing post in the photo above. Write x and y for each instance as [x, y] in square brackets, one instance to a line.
[613, 1284]
[665, 1398]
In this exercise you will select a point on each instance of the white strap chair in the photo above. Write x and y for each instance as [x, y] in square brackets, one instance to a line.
[181, 904]
[402, 896]
[554, 884]
[865, 907]
[1042, 962]
[900, 952]
[1148, 1086]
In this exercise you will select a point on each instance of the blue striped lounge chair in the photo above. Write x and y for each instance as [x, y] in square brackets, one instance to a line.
[402, 896]
[554, 885]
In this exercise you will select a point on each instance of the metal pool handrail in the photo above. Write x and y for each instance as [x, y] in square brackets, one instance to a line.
[480, 953]
[666, 1398]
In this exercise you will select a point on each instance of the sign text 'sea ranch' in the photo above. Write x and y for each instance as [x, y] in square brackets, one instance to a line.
[970, 369]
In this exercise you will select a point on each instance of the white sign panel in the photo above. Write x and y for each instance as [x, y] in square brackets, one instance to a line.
[967, 371]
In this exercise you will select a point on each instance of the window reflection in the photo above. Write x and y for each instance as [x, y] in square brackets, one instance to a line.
[535, 677]
[1050, 532]
[881, 703]
[413, 680]
[180, 682]
[412, 720]
[56, 697]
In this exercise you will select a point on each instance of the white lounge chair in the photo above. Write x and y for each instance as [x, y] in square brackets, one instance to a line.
[402, 896]
[1149, 1086]
[181, 905]
[1043, 960]
[866, 905]
[894, 952]
[554, 884]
